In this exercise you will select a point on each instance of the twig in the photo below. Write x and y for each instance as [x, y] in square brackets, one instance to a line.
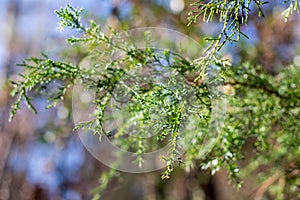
[265, 185]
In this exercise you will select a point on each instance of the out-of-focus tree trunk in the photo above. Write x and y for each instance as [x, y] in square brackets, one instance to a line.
[7, 135]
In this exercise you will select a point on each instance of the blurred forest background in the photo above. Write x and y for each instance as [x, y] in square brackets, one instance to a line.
[41, 156]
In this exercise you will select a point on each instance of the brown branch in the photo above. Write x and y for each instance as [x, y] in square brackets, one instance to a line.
[255, 86]
[265, 185]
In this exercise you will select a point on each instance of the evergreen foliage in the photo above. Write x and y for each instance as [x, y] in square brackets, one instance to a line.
[263, 110]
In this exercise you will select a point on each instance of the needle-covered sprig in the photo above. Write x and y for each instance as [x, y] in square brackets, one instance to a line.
[262, 111]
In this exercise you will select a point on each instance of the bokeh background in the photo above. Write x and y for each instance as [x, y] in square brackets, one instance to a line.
[41, 157]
